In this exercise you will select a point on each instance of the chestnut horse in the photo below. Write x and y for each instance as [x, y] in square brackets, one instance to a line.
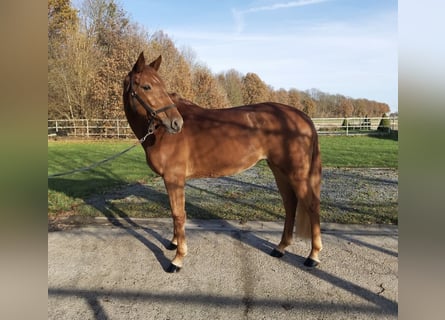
[184, 141]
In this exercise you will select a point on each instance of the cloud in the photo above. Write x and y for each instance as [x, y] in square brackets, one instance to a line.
[357, 58]
[238, 15]
[354, 57]
[277, 6]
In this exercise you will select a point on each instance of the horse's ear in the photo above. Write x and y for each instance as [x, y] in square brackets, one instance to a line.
[140, 63]
[155, 64]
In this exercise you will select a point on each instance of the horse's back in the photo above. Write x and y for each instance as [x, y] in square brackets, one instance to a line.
[226, 141]
[261, 116]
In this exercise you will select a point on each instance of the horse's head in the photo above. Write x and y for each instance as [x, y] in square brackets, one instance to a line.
[145, 94]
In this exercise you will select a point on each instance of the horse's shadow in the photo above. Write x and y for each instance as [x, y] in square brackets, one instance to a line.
[118, 218]
[106, 205]
[113, 213]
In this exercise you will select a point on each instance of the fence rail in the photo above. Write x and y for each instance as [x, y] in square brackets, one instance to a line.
[90, 128]
[354, 125]
[119, 128]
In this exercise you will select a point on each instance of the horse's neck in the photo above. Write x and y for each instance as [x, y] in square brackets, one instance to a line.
[138, 124]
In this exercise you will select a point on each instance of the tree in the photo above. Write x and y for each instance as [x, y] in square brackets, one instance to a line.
[294, 98]
[70, 75]
[108, 25]
[90, 51]
[271, 94]
[175, 70]
[254, 89]
[70, 56]
[346, 108]
[384, 124]
[309, 106]
[360, 107]
[324, 105]
[232, 83]
[207, 91]
[282, 96]
[62, 18]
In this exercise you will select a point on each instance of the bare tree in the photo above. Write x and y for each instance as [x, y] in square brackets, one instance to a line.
[231, 81]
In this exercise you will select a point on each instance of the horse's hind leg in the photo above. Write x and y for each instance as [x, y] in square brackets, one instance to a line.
[309, 207]
[290, 206]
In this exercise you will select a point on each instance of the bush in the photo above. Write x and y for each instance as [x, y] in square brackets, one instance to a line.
[385, 124]
[345, 124]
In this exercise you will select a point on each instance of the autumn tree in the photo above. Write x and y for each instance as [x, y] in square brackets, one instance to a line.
[254, 89]
[107, 23]
[294, 98]
[383, 107]
[281, 96]
[66, 47]
[175, 70]
[308, 106]
[360, 107]
[346, 108]
[92, 49]
[271, 94]
[207, 91]
[62, 19]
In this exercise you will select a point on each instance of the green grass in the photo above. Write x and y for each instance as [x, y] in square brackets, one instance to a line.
[67, 195]
[66, 192]
[359, 151]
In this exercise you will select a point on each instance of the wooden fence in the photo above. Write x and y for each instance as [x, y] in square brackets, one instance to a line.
[119, 128]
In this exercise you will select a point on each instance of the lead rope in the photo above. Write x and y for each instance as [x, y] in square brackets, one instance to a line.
[96, 164]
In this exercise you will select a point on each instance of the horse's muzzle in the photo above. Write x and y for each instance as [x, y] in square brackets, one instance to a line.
[174, 125]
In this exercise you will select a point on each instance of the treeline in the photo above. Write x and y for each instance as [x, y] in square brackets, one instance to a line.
[91, 49]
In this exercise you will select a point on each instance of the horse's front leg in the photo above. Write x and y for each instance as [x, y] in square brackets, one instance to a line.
[175, 190]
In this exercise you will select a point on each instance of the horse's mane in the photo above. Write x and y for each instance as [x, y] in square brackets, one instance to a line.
[178, 99]
[185, 106]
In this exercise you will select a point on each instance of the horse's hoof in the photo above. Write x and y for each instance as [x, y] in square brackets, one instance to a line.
[173, 269]
[171, 246]
[277, 254]
[311, 263]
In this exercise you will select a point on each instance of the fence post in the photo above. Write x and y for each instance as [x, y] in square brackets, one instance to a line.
[117, 125]
[347, 126]
[88, 128]
[57, 127]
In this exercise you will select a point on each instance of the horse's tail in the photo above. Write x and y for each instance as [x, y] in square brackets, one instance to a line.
[312, 201]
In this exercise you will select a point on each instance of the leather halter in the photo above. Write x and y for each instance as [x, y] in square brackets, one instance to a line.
[150, 110]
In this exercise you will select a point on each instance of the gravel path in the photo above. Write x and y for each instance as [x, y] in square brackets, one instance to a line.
[349, 195]
[338, 185]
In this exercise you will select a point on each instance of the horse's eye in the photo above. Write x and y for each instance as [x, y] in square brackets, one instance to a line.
[146, 87]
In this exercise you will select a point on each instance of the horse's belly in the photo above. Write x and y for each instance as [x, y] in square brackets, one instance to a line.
[222, 164]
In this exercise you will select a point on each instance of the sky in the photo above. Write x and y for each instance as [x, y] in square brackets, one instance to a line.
[347, 47]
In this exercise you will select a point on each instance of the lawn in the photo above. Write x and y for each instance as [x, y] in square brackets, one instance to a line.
[67, 194]
[359, 151]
